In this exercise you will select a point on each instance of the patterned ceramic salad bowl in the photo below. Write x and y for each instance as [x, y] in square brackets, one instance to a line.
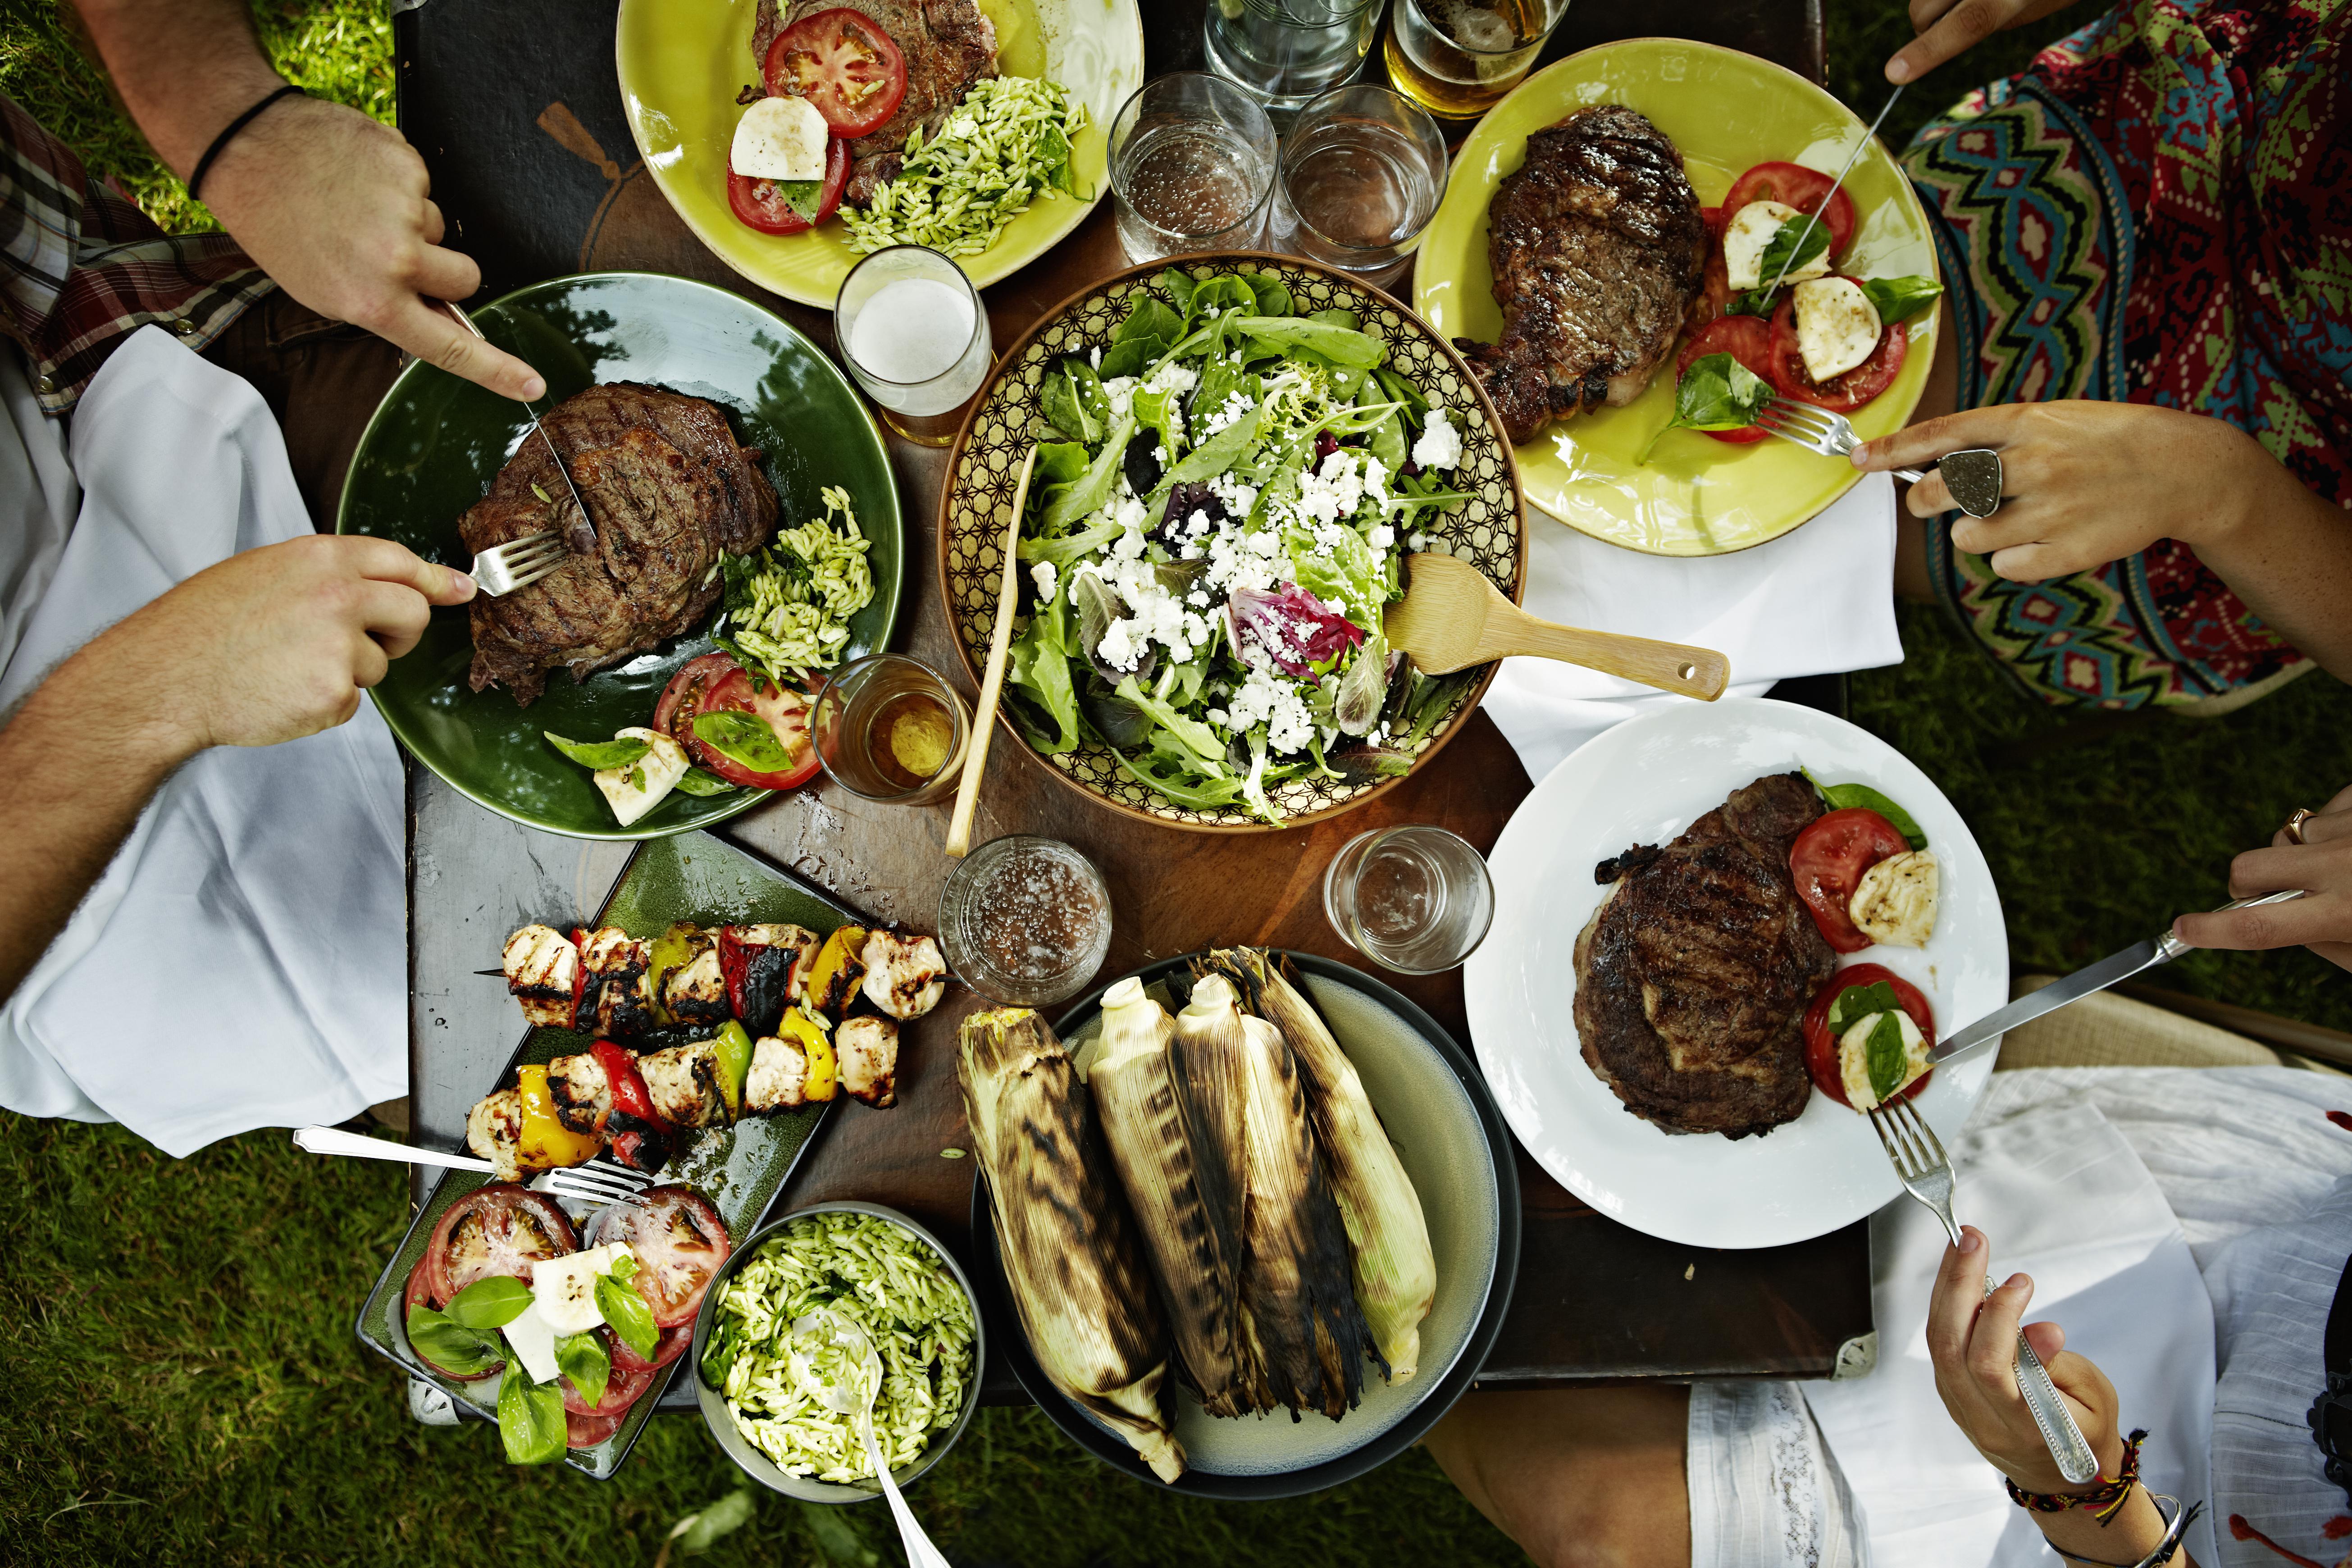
[1236, 454]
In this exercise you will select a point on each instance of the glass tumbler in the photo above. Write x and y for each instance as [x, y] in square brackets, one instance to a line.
[1024, 921]
[1191, 167]
[891, 729]
[1457, 58]
[1363, 171]
[1416, 899]
[1287, 51]
[914, 333]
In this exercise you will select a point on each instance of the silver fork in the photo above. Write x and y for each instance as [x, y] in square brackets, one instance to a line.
[1926, 1173]
[1817, 430]
[597, 1182]
[519, 563]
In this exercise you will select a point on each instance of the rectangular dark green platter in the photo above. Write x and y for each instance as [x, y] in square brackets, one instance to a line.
[690, 877]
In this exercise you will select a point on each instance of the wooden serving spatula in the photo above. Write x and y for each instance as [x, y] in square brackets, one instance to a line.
[1452, 616]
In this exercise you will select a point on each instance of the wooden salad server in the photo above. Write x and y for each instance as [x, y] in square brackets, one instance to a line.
[991, 685]
[1452, 616]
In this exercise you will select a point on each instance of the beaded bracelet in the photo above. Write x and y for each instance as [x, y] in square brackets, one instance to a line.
[2104, 1500]
[2176, 1535]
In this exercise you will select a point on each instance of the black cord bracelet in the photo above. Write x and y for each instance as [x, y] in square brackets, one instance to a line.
[220, 141]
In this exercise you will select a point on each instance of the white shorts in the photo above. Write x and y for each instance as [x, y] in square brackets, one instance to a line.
[1764, 1490]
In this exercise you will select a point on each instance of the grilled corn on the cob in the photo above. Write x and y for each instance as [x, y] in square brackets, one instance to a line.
[1395, 1271]
[1077, 1276]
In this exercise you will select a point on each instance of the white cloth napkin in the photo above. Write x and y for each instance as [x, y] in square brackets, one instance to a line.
[1812, 601]
[2066, 1200]
[243, 962]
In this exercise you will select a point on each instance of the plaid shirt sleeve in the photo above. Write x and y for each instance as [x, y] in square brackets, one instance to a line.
[81, 268]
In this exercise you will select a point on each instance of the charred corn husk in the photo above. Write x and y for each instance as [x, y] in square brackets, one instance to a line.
[1183, 1204]
[1303, 1337]
[1395, 1271]
[1077, 1276]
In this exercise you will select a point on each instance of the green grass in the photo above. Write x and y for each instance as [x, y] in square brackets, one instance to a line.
[178, 1381]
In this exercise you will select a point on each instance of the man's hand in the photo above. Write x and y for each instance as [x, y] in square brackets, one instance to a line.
[1947, 28]
[278, 643]
[2321, 864]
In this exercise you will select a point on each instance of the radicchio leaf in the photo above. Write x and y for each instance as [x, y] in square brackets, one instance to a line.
[1290, 628]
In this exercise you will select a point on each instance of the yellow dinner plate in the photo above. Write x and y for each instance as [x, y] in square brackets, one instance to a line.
[1728, 111]
[682, 62]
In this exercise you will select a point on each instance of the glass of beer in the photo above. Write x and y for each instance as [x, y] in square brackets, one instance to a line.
[1458, 57]
[914, 333]
[891, 729]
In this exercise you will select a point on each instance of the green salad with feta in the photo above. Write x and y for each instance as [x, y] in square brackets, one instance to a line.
[1217, 518]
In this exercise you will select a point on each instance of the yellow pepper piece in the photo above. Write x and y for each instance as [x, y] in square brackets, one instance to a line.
[840, 967]
[544, 1144]
[824, 1068]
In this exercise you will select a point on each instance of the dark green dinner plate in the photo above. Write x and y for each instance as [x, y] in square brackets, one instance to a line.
[432, 447]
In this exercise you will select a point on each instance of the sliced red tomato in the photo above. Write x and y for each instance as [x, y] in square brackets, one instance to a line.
[1794, 186]
[1840, 393]
[621, 1389]
[679, 1242]
[587, 1431]
[1821, 1047]
[1749, 340]
[419, 1293]
[672, 1344]
[498, 1230]
[1827, 861]
[759, 205]
[845, 64]
[787, 713]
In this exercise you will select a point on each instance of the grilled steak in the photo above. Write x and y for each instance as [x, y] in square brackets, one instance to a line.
[1598, 248]
[669, 489]
[947, 46]
[1693, 977]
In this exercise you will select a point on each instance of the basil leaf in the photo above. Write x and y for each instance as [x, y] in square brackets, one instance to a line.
[695, 781]
[530, 1418]
[601, 754]
[624, 1267]
[491, 1303]
[1843, 796]
[744, 738]
[628, 1312]
[1886, 1056]
[454, 1349]
[584, 1358]
[1899, 299]
[1716, 392]
[1754, 302]
[718, 1357]
[1859, 1002]
[1794, 245]
[803, 196]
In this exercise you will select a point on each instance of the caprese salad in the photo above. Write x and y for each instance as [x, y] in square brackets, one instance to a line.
[829, 79]
[572, 1336]
[715, 730]
[1777, 313]
[1867, 877]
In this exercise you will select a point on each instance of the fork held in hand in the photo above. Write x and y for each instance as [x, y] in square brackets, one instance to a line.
[1817, 429]
[1926, 1173]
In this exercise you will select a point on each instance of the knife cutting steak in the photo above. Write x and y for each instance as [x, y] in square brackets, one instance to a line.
[1693, 977]
[947, 46]
[669, 489]
[1598, 248]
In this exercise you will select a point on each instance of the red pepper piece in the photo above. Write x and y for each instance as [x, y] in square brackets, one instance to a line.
[734, 964]
[629, 1096]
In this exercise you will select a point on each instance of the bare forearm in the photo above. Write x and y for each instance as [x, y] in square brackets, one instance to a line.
[81, 764]
[185, 68]
[2128, 1537]
[2288, 554]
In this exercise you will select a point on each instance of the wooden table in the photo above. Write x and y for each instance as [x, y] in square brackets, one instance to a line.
[515, 107]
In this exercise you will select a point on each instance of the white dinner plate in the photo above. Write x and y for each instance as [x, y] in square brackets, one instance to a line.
[1643, 783]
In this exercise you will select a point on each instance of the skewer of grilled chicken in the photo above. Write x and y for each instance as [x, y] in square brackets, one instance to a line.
[494, 1128]
[543, 971]
[683, 1083]
[868, 1050]
[695, 992]
[581, 1090]
[618, 995]
[905, 975]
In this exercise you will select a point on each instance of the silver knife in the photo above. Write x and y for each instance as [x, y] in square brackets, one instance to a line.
[1813, 219]
[2139, 957]
[581, 536]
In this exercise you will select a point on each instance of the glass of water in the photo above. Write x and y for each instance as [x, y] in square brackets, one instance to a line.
[1458, 57]
[1363, 171]
[1287, 51]
[911, 328]
[1416, 899]
[1191, 167]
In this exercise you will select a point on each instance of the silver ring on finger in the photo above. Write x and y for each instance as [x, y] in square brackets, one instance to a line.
[1973, 480]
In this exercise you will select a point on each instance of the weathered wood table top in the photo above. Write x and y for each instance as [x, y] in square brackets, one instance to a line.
[515, 106]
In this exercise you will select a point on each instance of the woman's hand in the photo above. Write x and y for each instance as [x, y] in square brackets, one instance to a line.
[2085, 483]
[2321, 864]
[1972, 1343]
[1946, 27]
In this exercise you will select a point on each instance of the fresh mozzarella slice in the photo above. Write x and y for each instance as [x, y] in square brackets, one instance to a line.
[1751, 228]
[563, 1290]
[1896, 903]
[1837, 326]
[780, 139]
[639, 788]
[532, 1341]
[1854, 1058]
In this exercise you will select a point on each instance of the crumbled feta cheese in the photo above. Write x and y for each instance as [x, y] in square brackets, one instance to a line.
[1236, 405]
[1128, 513]
[1267, 698]
[1128, 546]
[1094, 357]
[1238, 560]
[1238, 495]
[1172, 378]
[1198, 598]
[1120, 391]
[1418, 541]
[1381, 536]
[1197, 524]
[1043, 574]
[1159, 455]
[1376, 479]
[1440, 446]
[1118, 648]
[1333, 491]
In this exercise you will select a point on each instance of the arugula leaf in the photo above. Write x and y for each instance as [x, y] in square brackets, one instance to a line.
[1859, 1002]
[1088, 492]
[1159, 413]
[744, 738]
[491, 1303]
[1899, 299]
[1148, 318]
[530, 1418]
[1402, 391]
[1214, 455]
[601, 754]
[1271, 295]
[1179, 286]
[1180, 785]
[451, 1346]
[626, 1310]
[1199, 744]
[1716, 392]
[1340, 571]
[1073, 401]
[584, 1358]
[1337, 317]
[1134, 356]
[1794, 245]
[1039, 667]
[1886, 1056]
[1841, 796]
[1340, 346]
[695, 781]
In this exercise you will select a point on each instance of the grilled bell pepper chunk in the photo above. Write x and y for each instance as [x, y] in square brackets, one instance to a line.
[840, 966]
[731, 1054]
[628, 1085]
[674, 949]
[823, 1066]
[764, 967]
[544, 1144]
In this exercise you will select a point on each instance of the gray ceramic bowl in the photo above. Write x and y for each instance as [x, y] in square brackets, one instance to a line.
[722, 1421]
